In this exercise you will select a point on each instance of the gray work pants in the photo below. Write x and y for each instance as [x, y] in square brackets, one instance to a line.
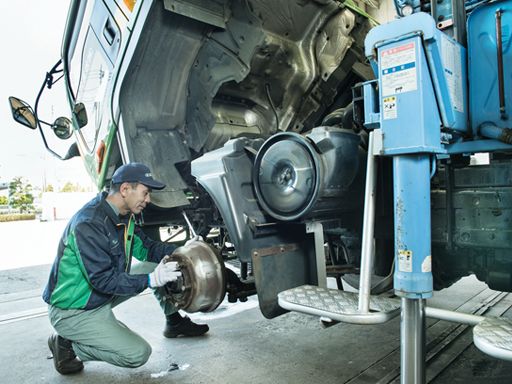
[97, 334]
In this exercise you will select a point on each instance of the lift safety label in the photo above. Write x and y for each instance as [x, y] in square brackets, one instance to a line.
[389, 107]
[452, 63]
[404, 260]
[398, 69]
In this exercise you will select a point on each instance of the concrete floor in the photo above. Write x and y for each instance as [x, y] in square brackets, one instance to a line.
[241, 347]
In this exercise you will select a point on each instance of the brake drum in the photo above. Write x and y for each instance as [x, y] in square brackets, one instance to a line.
[203, 285]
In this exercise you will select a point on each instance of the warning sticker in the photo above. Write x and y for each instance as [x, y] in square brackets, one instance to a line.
[398, 69]
[452, 63]
[405, 260]
[389, 107]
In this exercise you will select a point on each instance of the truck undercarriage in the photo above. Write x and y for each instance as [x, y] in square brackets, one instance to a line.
[252, 113]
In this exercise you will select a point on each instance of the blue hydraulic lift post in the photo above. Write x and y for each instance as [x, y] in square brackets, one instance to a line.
[415, 99]
[412, 280]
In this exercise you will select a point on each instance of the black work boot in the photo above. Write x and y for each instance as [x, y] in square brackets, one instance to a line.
[185, 327]
[64, 357]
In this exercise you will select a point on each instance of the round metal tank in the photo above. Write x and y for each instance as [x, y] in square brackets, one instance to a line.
[298, 176]
[203, 286]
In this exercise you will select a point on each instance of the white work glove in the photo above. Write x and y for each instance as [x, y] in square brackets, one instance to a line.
[195, 238]
[165, 272]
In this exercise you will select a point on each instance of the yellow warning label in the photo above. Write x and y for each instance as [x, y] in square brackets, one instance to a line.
[389, 107]
[404, 260]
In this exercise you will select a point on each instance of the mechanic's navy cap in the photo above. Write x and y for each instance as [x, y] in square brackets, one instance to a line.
[136, 173]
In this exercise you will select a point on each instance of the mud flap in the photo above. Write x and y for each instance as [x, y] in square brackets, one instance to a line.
[281, 267]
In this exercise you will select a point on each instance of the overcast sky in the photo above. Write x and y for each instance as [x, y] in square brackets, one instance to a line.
[31, 35]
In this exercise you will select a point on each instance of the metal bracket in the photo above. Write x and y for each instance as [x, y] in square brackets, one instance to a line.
[317, 229]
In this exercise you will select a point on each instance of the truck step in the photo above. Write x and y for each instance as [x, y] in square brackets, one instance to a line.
[338, 305]
[493, 336]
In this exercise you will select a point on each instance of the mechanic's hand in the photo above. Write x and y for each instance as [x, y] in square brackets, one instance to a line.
[195, 238]
[165, 272]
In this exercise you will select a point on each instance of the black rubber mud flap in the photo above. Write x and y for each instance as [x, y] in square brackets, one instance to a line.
[281, 267]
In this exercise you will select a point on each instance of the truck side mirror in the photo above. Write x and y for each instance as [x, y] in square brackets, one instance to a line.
[80, 114]
[62, 128]
[23, 113]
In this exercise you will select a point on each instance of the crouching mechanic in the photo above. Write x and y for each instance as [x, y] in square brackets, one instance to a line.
[92, 273]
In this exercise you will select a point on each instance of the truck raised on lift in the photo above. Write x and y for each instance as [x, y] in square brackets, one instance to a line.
[285, 129]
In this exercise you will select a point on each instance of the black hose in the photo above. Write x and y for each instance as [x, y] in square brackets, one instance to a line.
[267, 89]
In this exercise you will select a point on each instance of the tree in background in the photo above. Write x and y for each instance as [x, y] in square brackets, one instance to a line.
[20, 195]
[70, 187]
[4, 200]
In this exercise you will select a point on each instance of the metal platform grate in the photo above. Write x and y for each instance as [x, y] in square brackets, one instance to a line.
[338, 305]
[494, 336]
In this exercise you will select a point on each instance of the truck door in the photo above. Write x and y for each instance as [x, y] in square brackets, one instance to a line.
[92, 55]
